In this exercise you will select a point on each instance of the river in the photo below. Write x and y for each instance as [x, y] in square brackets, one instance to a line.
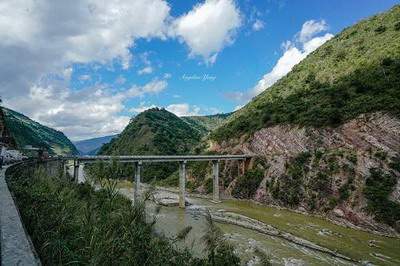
[356, 244]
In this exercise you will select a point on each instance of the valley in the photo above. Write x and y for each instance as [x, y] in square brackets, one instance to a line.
[307, 172]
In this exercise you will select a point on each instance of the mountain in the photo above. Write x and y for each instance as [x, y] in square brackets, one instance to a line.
[207, 123]
[327, 135]
[152, 132]
[92, 146]
[28, 132]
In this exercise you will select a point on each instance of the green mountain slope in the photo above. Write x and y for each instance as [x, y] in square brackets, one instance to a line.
[28, 132]
[356, 72]
[155, 131]
[205, 124]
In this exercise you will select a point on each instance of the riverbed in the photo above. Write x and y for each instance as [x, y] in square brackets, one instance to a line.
[356, 244]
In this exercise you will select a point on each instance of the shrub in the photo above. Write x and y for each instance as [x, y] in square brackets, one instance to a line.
[397, 26]
[344, 190]
[380, 29]
[395, 163]
[208, 185]
[247, 184]
[378, 187]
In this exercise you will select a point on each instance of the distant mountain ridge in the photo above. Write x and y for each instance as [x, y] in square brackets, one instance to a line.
[25, 131]
[93, 145]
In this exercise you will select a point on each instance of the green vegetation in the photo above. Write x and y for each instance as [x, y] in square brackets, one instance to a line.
[247, 184]
[74, 224]
[207, 123]
[154, 132]
[288, 189]
[356, 72]
[395, 163]
[28, 132]
[378, 187]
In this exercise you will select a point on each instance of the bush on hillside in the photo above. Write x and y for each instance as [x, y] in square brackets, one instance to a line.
[247, 184]
[378, 187]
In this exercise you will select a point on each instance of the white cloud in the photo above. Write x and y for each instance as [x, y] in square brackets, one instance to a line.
[258, 25]
[141, 108]
[208, 28]
[311, 28]
[183, 109]
[237, 107]
[292, 55]
[167, 75]
[41, 40]
[49, 35]
[91, 112]
[145, 70]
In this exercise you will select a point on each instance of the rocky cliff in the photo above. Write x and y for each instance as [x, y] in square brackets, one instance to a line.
[327, 135]
[323, 170]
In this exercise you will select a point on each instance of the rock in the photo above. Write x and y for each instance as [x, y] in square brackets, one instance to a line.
[338, 213]
[167, 199]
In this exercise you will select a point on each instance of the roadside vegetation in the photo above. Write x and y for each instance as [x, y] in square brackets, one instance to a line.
[75, 224]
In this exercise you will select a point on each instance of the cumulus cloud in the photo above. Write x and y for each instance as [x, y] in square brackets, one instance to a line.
[46, 36]
[291, 57]
[208, 28]
[179, 109]
[141, 108]
[305, 43]
[91, 112]
[311, 28]
[42, 40]
[183, 109]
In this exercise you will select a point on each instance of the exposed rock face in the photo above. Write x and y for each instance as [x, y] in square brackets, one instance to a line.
[332, 171]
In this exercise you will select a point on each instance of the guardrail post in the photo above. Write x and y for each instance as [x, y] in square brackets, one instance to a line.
[138, 166]
[216, 181]
[182, 183]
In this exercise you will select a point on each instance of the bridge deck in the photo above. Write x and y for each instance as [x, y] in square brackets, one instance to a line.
[160, 158]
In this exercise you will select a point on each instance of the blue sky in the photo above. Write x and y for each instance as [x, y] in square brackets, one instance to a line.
[143, 62]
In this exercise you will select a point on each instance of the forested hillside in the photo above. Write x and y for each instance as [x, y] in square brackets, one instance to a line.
[28, 132]
[327, 136]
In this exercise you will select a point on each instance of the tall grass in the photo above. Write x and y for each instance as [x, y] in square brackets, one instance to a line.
[73, 224]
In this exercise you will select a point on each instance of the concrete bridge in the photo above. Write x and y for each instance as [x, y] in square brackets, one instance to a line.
[140, 160]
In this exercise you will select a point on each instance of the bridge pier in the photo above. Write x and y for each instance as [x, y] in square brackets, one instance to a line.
[138, 166]
[216, 197]
[76, 170]
[182, 183]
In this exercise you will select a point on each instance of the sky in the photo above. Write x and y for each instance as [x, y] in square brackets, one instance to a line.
[86, 67]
